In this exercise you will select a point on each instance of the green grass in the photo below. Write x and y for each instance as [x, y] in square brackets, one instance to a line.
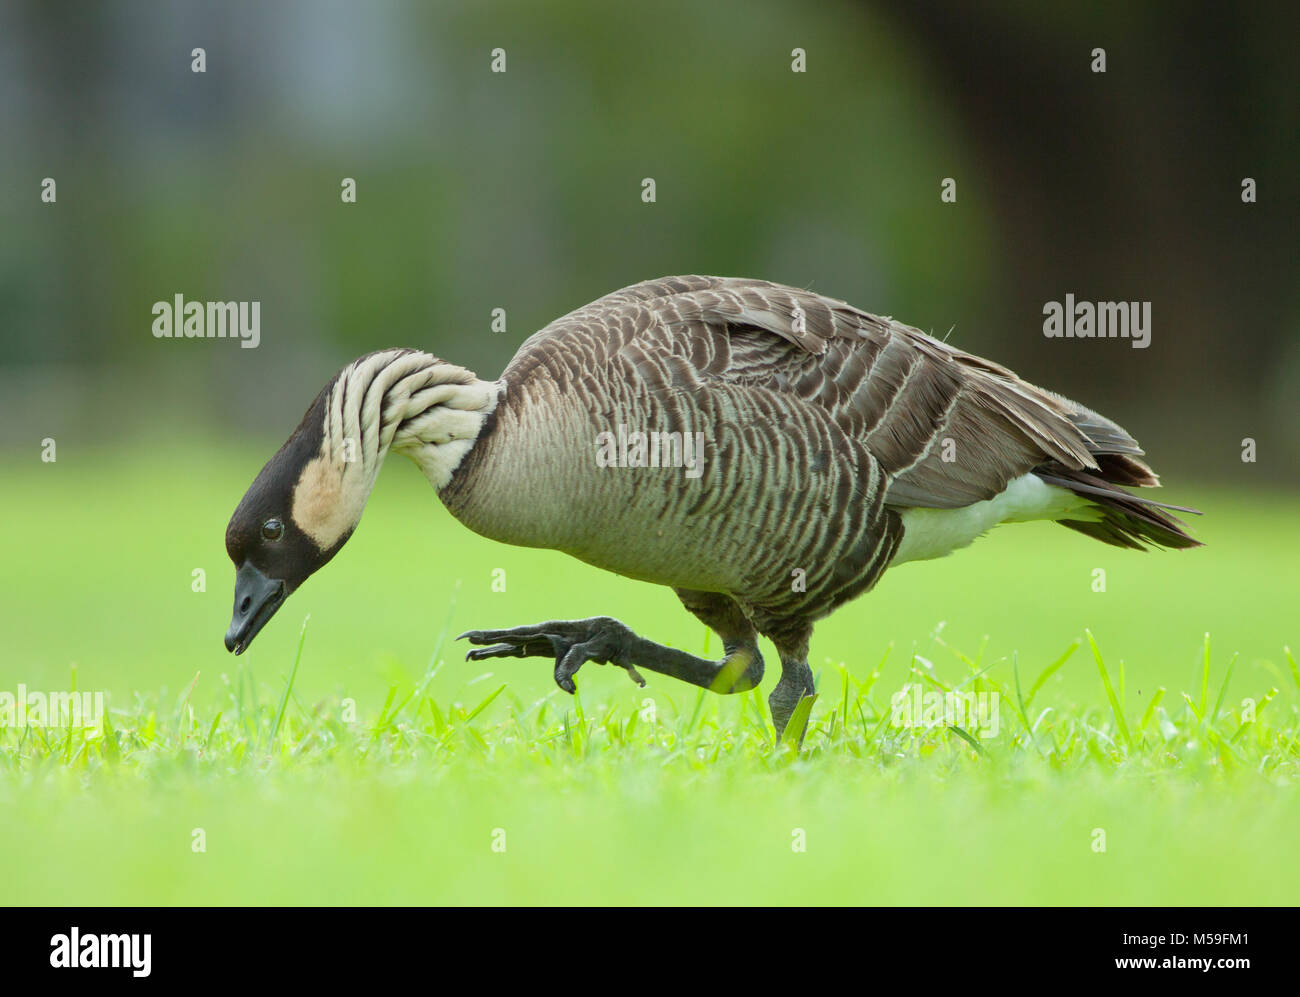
[361, 760]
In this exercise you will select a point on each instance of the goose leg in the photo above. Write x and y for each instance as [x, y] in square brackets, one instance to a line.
[796, 684]
[572, 643]
[791, 638]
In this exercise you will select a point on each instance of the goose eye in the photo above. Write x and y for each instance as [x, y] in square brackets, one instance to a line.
[272, 529]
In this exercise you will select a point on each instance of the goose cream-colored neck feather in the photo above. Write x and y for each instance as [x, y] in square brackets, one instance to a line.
[402, 401]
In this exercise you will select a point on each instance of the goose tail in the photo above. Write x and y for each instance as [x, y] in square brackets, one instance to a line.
[1123, 519]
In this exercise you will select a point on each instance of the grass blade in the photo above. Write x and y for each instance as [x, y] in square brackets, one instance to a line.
[1218, 702]
[434, 666]
[483, 705]
[288, 687]
[968, 739]
[1110, 693]
[1205, 676]
[1048, 672]
[798, 722]
[1151, 708]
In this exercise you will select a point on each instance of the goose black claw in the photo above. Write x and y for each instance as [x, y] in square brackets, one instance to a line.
[571, 643]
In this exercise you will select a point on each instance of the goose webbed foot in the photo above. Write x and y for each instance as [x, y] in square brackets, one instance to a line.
[572, 643]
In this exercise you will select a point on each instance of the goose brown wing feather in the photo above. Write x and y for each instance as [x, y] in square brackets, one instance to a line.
[947, 427]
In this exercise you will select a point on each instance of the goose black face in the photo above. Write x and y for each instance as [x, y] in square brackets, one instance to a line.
[272, 555]
[272, 558]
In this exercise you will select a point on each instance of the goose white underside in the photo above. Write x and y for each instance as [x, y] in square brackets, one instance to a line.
[929, 533]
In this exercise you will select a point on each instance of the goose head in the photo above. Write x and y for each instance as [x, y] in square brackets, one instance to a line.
[308, 499]
[297, 514]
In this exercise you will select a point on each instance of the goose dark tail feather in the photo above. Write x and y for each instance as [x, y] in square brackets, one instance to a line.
[1127, 520]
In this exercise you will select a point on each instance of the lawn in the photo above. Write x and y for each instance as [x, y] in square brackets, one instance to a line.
[362, 760]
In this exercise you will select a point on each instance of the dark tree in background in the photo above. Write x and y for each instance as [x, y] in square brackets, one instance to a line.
[1127, 185]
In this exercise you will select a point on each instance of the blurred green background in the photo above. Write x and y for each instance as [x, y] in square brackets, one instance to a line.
[521, 191]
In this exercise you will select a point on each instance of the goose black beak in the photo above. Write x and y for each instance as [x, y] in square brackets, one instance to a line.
[256, 600]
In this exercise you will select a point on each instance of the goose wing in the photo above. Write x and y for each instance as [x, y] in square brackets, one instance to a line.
[947, 427]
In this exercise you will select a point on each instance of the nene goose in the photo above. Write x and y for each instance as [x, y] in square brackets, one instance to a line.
[835, 444]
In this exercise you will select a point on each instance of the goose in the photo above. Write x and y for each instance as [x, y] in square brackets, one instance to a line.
[835, 444]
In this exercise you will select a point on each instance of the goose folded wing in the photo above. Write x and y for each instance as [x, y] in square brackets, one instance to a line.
[949, 428]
